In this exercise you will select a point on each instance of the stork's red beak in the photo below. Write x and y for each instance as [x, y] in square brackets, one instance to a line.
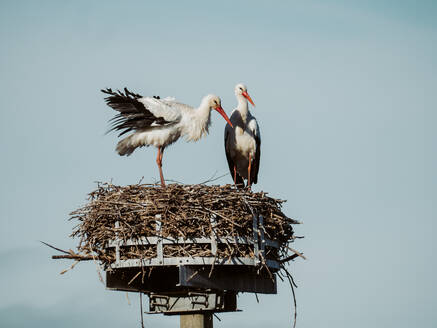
[222, 113]
[246, 95]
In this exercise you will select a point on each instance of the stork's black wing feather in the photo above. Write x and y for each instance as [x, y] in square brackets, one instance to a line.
[133, 114]
[255, 162]
[239, 180]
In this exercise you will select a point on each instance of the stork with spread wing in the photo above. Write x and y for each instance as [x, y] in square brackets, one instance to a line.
[158, 122]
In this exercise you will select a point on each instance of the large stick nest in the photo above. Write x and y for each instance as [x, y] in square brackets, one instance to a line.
[185, 211]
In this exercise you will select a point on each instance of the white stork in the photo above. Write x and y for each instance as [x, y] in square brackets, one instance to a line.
[243, 141]
[158, 122]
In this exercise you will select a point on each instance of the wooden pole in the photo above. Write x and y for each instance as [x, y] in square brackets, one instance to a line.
[196, 320]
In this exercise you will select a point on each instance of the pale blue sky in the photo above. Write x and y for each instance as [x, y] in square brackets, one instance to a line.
[346, 100]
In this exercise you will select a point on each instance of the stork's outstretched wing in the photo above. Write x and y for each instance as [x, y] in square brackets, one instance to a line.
[135, 114]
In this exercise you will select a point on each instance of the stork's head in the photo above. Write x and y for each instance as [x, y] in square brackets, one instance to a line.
[214, 102]
[241, 90]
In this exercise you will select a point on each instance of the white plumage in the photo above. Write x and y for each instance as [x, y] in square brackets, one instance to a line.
[159, 122]
[243, 141]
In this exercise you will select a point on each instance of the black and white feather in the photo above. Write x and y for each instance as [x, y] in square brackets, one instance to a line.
[133, 113]
[153, 121]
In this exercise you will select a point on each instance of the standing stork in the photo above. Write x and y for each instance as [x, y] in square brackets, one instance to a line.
[243, 141]
[158, 122]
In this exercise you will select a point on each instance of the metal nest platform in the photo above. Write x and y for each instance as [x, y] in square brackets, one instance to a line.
[163, 274]
[191, 248]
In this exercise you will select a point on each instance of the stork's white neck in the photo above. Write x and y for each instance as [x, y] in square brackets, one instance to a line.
[200, 121]
[243, 107]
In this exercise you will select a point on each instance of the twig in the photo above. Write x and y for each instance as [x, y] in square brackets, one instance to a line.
[58, 249]
[296, 252]
[73, 257]
[215, 315]
[289, 258]
[292, 285]
[211, 179]
[97, 267]
[130, 281]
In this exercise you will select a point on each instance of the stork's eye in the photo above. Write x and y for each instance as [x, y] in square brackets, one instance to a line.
[241, 88]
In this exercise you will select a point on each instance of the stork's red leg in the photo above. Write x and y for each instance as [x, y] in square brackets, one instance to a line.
[248, 171]
[159, 162]
[162, 153]
[235, 175]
